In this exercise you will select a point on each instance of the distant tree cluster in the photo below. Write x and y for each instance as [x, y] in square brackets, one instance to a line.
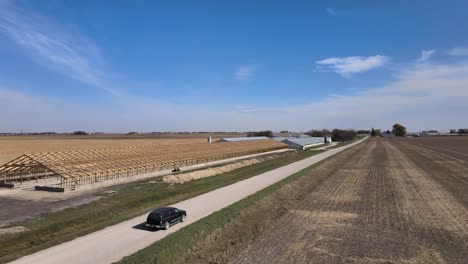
[266, 133]
[430, 131]
[343, 135]
[28, 134]
[318, 133]
[132, 133]
[195, 132]
[463, 131]
[399, 130]
[284, 131]
[366, 132]
[376, 132]
[46, 133]
[80, 133]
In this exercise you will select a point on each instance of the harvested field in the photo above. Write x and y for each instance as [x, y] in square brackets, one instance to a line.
[456, 146]
[399, 201]
[14, 146]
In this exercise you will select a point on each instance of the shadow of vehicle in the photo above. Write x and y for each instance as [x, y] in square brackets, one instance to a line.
[142, 226]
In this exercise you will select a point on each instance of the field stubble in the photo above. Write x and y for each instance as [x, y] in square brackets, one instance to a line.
[14, 146]
[392, 203]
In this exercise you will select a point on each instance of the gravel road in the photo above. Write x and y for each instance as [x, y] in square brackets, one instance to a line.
[115, 242]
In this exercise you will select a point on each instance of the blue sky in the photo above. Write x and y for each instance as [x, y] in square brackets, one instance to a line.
[120, 66]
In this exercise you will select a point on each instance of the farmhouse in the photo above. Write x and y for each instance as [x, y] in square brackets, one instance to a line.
[303, 143]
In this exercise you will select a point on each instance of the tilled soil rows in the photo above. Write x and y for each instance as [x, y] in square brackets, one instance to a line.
[395, 202]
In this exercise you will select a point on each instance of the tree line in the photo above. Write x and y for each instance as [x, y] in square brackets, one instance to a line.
[265, 133]
[336, 134]
[459, 131]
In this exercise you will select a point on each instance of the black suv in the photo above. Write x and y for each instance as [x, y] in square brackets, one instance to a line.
[164, 217]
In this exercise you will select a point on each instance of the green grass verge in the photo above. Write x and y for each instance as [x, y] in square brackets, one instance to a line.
[228, 230]
[135, 199]
[175, 248]
[316, 147]
[340, 144]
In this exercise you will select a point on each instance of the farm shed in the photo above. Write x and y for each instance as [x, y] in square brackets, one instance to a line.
[279, 138]
[237, 139]
[303, 143]
[72, 168]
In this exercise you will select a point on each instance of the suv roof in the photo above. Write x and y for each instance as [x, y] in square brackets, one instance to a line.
[162, 209]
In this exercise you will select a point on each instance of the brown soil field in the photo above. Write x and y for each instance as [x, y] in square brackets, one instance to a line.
[395, 201]
[454, 145]
[14, 146]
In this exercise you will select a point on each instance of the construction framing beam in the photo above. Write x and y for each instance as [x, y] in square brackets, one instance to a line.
[89, 166]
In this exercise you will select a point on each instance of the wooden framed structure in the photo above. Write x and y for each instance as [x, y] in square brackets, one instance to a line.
[90, 166]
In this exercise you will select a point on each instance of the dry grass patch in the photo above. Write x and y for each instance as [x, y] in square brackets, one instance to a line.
[203, 173]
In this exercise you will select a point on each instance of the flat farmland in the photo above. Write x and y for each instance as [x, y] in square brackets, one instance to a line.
[456, 146]
[14, 146]
[395, 201]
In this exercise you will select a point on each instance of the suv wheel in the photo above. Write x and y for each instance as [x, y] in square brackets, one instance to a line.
[166, 226]
[183, 218]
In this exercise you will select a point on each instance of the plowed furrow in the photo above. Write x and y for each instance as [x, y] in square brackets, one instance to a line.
[382, 205]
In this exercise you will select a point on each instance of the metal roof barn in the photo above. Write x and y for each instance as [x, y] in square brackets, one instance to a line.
[303, 143]
[280, 138]
[236, 139]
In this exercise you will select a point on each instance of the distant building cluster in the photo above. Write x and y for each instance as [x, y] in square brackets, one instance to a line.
[431, 133]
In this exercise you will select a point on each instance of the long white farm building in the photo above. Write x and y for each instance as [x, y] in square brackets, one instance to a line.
[306, 142]
[237, 139]
[301, 143]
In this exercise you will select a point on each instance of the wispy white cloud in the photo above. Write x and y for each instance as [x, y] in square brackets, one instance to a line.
[331, 11]
[246, 109]
[244, 72]
[458, 52]
[348, 66]
[53, 46]
[426, 55]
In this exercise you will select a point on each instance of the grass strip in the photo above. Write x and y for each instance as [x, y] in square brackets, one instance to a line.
[344, 143]
[132, 200]
[222, 235]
